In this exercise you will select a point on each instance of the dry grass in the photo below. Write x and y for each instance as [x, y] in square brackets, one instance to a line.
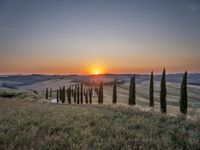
[31, 125]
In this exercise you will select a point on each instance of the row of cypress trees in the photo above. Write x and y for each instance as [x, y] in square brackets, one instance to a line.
[81, 92]
[77, 92]
[48, 93]
[163, 93]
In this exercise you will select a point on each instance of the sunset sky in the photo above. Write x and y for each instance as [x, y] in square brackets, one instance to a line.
[109, 36]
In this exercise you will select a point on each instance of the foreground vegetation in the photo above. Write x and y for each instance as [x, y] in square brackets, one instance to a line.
[28, 124]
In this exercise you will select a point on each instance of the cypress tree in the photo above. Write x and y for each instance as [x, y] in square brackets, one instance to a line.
[78, 97]
[132, 90]
[90, 95]
[50, 93]
[86, 96]
[115, 92]
[67, 92]
[60, 93]
[100, 96]
[151, 91]
[70, 93]
[73, 91]
[84, 91]
[163, 93]
[47, 93]
[81, 93]
[102, 92]
[57, 94]
[96, 89]
[130, 93]
[63, 94]
[184, 98]
[68, 98]
[75, 94]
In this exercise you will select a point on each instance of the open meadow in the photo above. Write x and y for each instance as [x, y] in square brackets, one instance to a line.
[29, 121]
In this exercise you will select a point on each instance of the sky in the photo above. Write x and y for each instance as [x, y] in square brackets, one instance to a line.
[109, 36]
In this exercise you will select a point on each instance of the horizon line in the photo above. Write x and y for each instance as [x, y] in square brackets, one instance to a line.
[88, 74]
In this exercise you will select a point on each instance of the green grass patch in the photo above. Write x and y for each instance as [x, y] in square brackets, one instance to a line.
[5, 94]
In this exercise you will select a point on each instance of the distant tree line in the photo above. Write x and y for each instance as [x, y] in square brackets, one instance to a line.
[81, 92]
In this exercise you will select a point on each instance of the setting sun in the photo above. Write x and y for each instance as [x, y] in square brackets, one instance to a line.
[97, 72]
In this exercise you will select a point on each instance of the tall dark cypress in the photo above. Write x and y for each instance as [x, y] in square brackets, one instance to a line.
[81, 93]
[78, 96]
[69, 94]
[115, 91]
[63, 94]
[84, 90]
[86, 96]
[50, 94]
[184, 97]
[163, 93]
[132, 91]
[61, 97]
[97, 90]
[72, 91]
[57, 96]
[151, 91]
[75, 94]
[47, 93]
[102, 92]
[100, 96]
[90, 95]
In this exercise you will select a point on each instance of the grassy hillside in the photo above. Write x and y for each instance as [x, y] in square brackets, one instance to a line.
[32, 125]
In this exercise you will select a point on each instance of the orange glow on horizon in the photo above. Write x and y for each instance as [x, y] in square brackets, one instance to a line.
[93, 70]
[97, 70]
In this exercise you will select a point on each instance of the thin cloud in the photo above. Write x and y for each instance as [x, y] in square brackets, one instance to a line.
[194, 5]
[194, 8]
[7, 29]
